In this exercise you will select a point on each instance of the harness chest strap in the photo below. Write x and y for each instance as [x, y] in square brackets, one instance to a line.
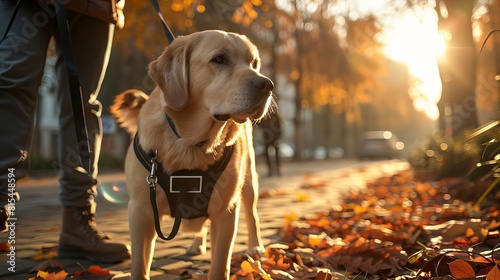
[188, 191]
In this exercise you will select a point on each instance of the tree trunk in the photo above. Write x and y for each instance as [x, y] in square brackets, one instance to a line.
[299, 143]
[487, 86]
[457, 68]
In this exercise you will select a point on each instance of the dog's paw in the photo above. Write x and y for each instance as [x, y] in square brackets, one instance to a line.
[199, 246]
[258, 250]
[194, 250]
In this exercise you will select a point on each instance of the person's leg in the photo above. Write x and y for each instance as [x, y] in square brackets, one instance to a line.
[278, 157]
[23, 49]
[268, 160]
[91, 41]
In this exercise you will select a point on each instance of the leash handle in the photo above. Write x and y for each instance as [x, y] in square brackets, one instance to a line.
[177, 220]
[83, 146]
[168, 32]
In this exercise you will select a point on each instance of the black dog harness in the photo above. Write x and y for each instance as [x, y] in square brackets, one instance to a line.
[188, 191]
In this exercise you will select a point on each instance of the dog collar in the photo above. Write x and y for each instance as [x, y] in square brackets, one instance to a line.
[172, 125]
[174, 129]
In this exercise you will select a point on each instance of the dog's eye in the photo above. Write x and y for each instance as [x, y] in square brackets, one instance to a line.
[219, 59]
[255, 64]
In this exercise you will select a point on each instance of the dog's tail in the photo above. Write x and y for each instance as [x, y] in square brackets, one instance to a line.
[126, 108]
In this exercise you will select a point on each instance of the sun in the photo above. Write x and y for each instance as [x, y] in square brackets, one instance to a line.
[415, 41]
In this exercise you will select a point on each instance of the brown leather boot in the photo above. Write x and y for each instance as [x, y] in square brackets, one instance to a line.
[4, 216]
[80, 238]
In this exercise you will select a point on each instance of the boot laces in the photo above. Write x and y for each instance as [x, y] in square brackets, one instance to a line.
[88, 227]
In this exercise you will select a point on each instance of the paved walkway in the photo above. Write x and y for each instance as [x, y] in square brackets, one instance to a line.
[39, 214]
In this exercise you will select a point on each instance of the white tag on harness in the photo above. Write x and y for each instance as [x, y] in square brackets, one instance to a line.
[192, 184]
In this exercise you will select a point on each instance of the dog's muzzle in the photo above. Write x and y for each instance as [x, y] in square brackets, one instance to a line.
[258, 91]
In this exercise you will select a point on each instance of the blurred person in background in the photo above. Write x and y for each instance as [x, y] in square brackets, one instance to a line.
[270, 127]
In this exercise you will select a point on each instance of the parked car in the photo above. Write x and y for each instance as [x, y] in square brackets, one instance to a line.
[380, 144]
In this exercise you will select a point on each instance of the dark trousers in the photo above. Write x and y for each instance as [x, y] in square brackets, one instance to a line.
[24, 40]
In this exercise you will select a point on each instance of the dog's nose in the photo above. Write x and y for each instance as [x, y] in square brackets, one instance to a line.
[262, 83]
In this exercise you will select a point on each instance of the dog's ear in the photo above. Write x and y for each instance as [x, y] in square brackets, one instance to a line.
[171, 73]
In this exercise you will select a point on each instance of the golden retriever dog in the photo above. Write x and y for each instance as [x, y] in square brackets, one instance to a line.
[209, 91]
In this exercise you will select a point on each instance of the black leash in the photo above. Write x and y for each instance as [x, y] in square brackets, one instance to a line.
[83, 147]
[177, 219]
[152, 180]
[9, 25]
[168, 32]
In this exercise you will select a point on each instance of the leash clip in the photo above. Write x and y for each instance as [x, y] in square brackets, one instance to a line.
[152, 179]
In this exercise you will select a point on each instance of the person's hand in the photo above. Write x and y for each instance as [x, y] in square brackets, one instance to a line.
[120, 22]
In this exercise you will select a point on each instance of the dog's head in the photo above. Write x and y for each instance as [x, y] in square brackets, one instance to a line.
[216, 71]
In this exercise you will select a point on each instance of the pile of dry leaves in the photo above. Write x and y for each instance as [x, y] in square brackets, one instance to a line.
[93, 272]
[395, 228]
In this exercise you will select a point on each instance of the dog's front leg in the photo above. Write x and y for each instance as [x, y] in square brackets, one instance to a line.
[223, 231]
[249, 197]
[143, 237]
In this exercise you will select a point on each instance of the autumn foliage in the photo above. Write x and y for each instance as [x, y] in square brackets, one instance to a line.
[93, 272]
[395, 228]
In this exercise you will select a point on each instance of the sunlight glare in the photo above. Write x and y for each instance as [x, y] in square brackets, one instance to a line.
[409, 41]
[417, 43]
